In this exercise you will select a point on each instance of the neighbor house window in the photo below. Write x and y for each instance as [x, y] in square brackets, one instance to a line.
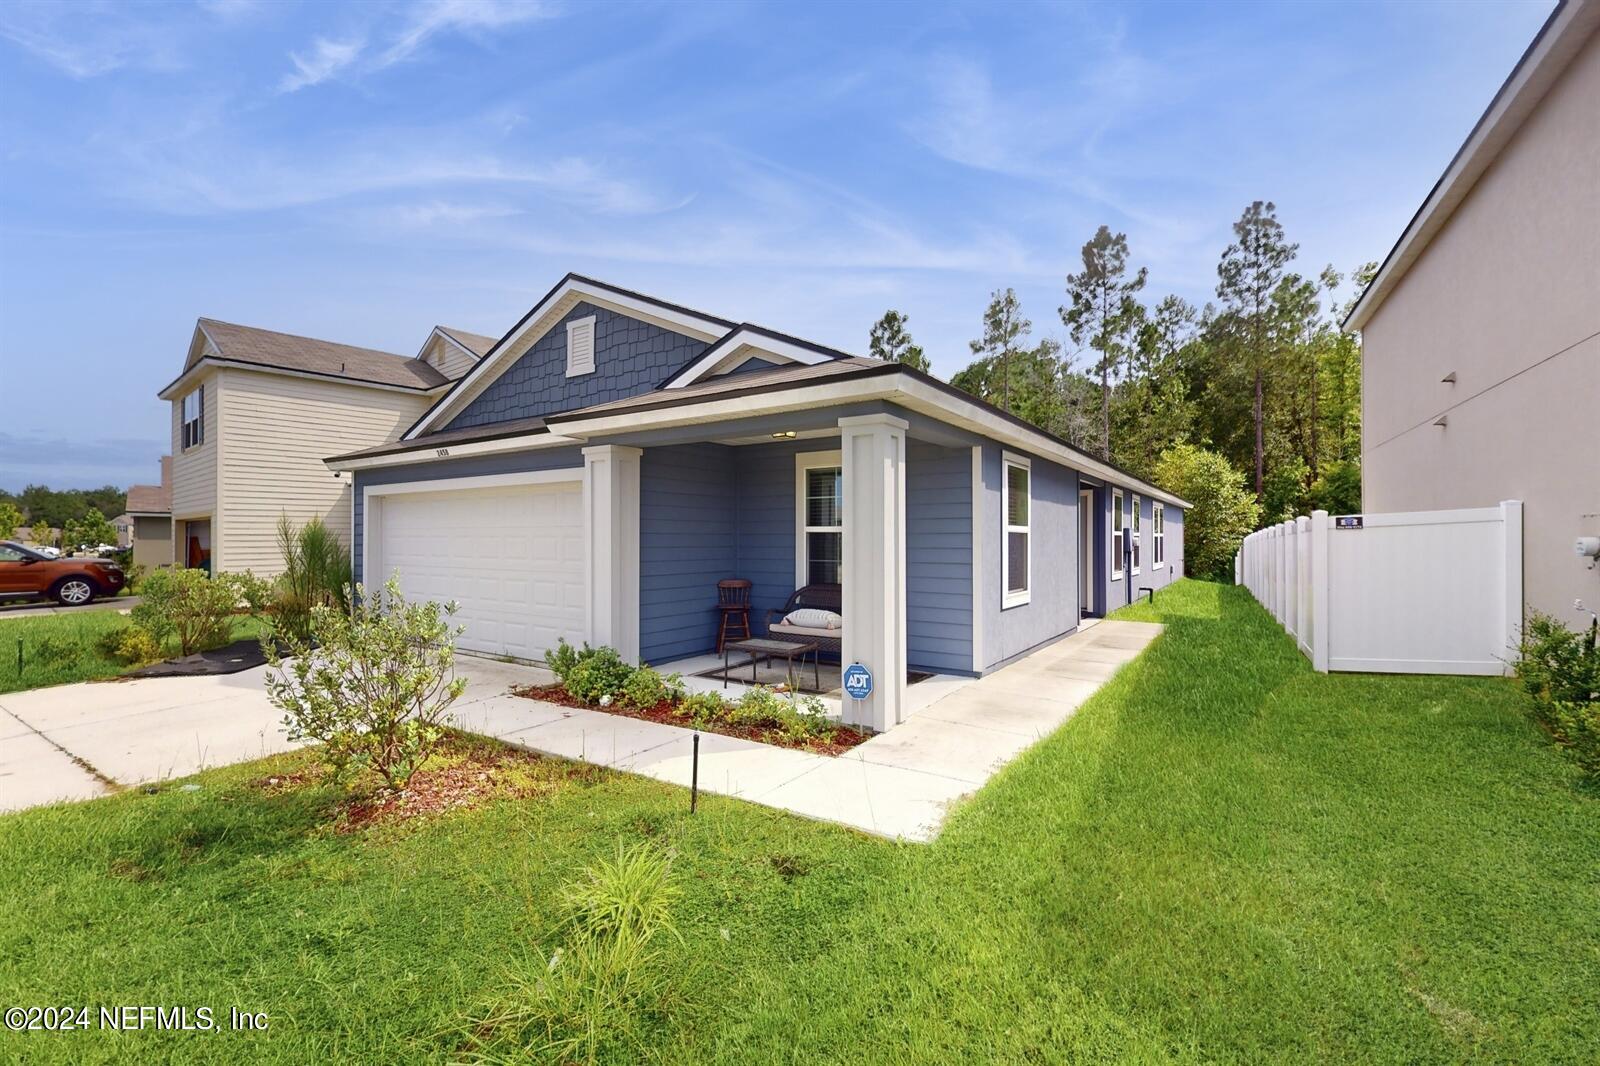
[1017, 562]
[1118, 531]
[819, 541]
[1137, 537]
[580, 346]
[194, 418]
[1158, 534]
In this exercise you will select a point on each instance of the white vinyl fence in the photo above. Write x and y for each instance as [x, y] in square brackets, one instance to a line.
[1423, 592]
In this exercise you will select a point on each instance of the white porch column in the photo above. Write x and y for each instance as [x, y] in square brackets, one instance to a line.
[874, 459]
[611, 526]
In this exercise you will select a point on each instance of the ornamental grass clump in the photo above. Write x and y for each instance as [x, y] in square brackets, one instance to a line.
[373, 685]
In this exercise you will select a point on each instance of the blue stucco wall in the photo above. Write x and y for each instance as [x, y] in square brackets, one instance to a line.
[938, 558]
[687, 517]
[630, 357]
[517, 462]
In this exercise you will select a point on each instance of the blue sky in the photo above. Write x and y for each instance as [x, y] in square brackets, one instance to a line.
[361, 172]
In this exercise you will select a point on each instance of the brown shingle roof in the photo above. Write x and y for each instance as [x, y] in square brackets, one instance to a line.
[477, 343]
[149, 499]
[265, 347]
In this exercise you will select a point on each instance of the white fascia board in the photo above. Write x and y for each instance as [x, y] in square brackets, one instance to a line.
[727, 349]
[173, 390]
[1547, 58]
[429, 453]
[442, 335]
[534, 326]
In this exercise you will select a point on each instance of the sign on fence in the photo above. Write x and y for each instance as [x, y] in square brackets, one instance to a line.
[1422, 592]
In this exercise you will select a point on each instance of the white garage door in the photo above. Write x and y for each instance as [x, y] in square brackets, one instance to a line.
[513, 558]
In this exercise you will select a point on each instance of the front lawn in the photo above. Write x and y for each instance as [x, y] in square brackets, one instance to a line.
[60, 648]
[1223, 856]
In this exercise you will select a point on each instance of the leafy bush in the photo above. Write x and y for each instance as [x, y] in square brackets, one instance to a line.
[585, 1003]
[759, 706]
[563, 657]
[316, 573]
[1560, 670]
[196, 608]
[597, 675]
[371, 685]
[645, 688]
[704, 708]
[1224, 512]
[1337, 489]
[131, 645]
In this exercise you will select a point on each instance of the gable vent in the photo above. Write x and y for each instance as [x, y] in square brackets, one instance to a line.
[580, 346]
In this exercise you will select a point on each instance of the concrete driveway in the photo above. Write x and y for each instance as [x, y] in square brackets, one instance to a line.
[80, 741]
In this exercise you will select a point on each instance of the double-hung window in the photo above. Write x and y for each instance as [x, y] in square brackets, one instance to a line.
[1137, 536]
[819, 485]
[1018, 562]
[1158, 534]
[1119, 524]
[194, 418]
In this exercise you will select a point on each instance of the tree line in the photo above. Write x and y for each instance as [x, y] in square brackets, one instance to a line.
[1263, 377]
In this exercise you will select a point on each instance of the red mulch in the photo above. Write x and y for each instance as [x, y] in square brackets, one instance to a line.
[665, 712]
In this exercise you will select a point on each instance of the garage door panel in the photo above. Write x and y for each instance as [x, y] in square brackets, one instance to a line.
[513, 558]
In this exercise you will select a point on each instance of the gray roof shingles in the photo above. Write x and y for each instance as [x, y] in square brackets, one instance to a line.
[285, 351]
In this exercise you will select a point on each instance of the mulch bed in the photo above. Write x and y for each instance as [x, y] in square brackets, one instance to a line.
[665, 712]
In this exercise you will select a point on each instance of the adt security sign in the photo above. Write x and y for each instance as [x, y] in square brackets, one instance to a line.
[857, 681]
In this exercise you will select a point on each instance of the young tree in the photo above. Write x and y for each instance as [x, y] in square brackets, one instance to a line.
[10, 519]
[40, 533]
[1248, 275]
[1104, 312]
[91, 530]
[1004, 331]
[891, 342]
[1223, 513]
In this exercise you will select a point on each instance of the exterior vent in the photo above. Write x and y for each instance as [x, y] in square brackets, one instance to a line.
[580, 346]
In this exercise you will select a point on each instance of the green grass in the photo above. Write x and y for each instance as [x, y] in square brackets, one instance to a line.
[1222, 857]
[81, 628]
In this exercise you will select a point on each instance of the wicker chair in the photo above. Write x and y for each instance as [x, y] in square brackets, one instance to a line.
[821, 597]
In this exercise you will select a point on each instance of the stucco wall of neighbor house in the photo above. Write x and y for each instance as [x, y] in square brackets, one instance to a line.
[152, 541]
[630, 357]
[475, 466]
[1506, 297]
[1052, 607]
[687, 543]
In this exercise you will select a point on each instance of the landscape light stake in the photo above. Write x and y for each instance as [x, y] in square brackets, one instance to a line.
[19, 656]
[694, 776]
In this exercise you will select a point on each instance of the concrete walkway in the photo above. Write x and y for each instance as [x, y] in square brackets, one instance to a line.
[39, 608]
[79, 741]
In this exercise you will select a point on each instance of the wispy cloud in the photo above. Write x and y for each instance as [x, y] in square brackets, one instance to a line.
[324, 60]
[89, 40]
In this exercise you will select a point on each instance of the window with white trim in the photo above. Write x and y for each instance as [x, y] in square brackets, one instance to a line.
[193, 407]
[1138, 537]
[1118, 531]
[1158, 534]
[1018, 562]
[580, 346]
[820, 544]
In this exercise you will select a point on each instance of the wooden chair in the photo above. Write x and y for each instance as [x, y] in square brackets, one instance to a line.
[733, 605]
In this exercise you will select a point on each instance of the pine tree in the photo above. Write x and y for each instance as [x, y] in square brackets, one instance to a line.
[1103, 312]
[891, 342]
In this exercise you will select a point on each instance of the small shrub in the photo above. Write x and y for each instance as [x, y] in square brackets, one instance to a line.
[704, 708]
[759, 706]
[645, 688]
[563, 657]
[56, 651]
[316, 573]
[136, 646]
[195, 608]
[599, 674]
[372, 685]
[1560, 671]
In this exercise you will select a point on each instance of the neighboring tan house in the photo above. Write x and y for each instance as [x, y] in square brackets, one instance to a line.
[1481, 331]
[615, 456]
[150, 513]
[255, 412]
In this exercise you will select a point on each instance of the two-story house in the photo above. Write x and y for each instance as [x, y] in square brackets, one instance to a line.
[255, 412]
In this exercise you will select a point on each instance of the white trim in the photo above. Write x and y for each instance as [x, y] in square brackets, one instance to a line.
[1563, 37]
[725, 349]
[1136, 531]
[1086, 571]
[1010, 597]
[874, 593]
[1158, 535]
[437, 332]
[577, 326]
[804, 461]
[429, 453]
[978, 522]
[533, 326]
[372, 497]
[1118, 533]
[611, 485]
[902, 388]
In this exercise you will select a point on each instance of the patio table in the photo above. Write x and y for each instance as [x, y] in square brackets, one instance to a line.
[761, 651]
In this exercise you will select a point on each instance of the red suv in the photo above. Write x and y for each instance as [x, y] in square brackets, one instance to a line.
[25, 574]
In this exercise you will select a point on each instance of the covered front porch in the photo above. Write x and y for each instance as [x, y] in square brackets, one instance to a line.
[867, 502]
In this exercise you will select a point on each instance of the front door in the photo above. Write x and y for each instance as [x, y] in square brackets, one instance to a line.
[1085, 551]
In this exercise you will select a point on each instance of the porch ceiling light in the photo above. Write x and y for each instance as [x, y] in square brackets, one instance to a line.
[784, 434]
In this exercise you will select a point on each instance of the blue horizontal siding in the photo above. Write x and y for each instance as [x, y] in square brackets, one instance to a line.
[938, 558]
[686, 545]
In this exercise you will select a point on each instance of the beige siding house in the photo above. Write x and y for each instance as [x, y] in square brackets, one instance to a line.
[255, 412]
[150, 509]
[1481, 332]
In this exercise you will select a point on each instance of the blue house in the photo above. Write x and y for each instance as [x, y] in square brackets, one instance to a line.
[614, 456]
